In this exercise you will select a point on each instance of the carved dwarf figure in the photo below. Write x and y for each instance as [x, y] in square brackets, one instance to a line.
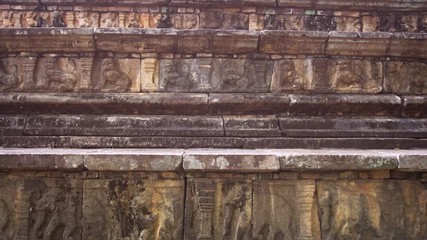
[7, 18]
[163, 20]
[109, 20]
[57, 19]
[82, 19]
[133, 21]
[30, 18]
[10, 79]
[112, 78]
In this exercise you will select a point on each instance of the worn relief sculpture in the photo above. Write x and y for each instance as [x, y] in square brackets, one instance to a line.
[109, 77]
[56, 74]
[406, 77]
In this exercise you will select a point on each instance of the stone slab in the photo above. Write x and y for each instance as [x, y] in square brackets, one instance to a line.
[120, 125]
[244, 126]
[386, 5]
[230, 160]
[353, 127]
[415, 106]
[344, 104]
[129, 208]
[293, 42]
[416, 161]
[218, 209]
[11, 125]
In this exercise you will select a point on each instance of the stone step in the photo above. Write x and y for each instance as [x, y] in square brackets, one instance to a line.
[214, 104]
[213, 160]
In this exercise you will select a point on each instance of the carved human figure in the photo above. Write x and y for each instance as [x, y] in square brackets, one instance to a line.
[30, 18]
[57, 74]
[109, 20]
[233, 76]
[369, 23]
[7, 18]
[112, 78]
[57, 19]
[408, 24]
[293, 22]
[82, 18]
[234, 216]
[59, 213]
[347, 24]
[175, 75]
[163, 20]
[133, 21]
[43, 19]
[9, 78]
[189, 21]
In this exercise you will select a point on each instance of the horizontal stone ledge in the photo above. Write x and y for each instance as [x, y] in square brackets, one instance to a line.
[362, 44]
[209, 142]
[384, 5]
[415, 106]
[216, 160]
[128, 40]
[202, 103]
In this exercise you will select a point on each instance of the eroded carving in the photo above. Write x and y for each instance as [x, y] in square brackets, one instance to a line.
[218, 209]
[369, 23]
[57, 74]
[292, 75]
[185, 21]
[222, 75]
[272, 22]
[133, 20]
[150, 74]
[348, 24]
[406, 77]
[116, 75]
[109, 20]
[163, 20]
[7, 19]
[9, 75]
[320, 23]
[133, 209]
[58, 19]
[85, 19]
[285, 210]
[31, 19]
[362, 210]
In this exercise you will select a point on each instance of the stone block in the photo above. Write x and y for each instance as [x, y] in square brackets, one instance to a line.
[406, 77]
[285, 210]
[337, 160]
[251, 126]
[34, 208]
[116, 75]
[218, 209]
[344, 104]
[415, 106]
[134, 160]
[416, 161]
[231, 160]
[245, 103]
[113, 125]
[372, 209]
[327, 75]
[215, 75]
[358, 44]
[408, 45]
[353, 127]
[293, 42]
[128, 208]
[40, 159]
[235, 42]
[11, 125]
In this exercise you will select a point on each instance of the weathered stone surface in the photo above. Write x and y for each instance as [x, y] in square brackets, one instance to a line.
[251, 126]
[116, 75]
[372, 210]
[223, 20]
[46, 40]
[218, 209]
[134, 160]
[327, 75]
[215, 75]
[299, 159]
[40, 208]
[353, 127]
[11, 125]
[241, 103]
[127, 208]
[220, 160]
[415, 106]
[408, 45]
[124, 125]
[357, 44]
[149, 75]
[40, 159]
[355, 5]
[293, 42]
[416, 160]
[285, 210]
[406, 77]
[344, 104]
[104, 103]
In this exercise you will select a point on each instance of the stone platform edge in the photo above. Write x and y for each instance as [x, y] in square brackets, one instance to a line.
[210, 160]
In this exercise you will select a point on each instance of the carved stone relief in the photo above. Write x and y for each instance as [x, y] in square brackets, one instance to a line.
[320, 23]
[87, 19]
[218, 19]
[406, 77]
[327, 75]
[185, 21]
[10, 78]
[371, 210]
[221, 75]
[7, 19]
[116, 75]
[218, 209]
[369, 23]
[348, 24]
[109, 20]
[7, 208]
[133, 209]
[57, 74]
[150, 74]
[285, 210]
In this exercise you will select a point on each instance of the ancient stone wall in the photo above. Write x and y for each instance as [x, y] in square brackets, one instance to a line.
[213, 119]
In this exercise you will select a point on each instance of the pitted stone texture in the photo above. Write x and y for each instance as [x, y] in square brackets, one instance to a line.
[215, 75]
[218, 209]
[40, 208]
[406, 77]
[372, 209]
[251, 126]
[415, 106]
[230, 160]
[353, 127]
[121, 125]
[11, 125]
[275, 42]
[285, 210]
[327, 75]
[128, 208]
